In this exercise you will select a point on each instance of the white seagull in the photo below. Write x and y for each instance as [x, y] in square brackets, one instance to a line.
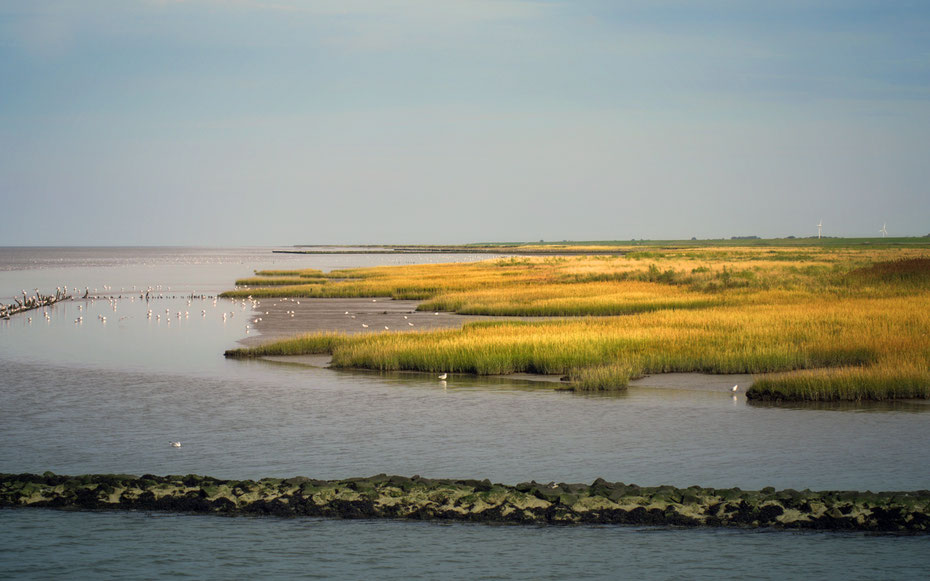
[175, 444]
[734, 388]
[443, 376]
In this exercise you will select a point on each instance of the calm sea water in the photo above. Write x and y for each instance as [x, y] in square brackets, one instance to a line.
[99, 396]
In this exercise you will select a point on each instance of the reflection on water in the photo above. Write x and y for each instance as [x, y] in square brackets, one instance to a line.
[462, 381]
[916, 406]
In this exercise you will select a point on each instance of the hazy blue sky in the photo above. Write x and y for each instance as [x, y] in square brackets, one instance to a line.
[350, 121]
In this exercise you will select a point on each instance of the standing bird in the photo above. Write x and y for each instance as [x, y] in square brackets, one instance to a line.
[444, 376]
[734, 388]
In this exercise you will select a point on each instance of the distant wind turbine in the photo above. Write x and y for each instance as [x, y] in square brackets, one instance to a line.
[819, 228]
[884, 230]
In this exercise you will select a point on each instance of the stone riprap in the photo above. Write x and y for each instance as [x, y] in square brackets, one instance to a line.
[416, 498]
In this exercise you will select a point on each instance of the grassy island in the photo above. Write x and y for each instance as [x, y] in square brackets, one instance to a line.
[817, 322]
[419, 498]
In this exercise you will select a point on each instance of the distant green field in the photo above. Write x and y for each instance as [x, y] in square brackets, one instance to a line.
[621, 246]
[904, 241]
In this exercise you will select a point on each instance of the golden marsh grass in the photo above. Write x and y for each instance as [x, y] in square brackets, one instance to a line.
[824, 320]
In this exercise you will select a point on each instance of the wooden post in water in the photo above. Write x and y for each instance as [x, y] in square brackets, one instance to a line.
[29, 303]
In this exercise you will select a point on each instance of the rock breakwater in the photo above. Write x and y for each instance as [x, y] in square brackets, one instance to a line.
[417, 498]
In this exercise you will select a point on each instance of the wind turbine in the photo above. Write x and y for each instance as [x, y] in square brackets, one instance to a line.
[884, 230]
[819, 228]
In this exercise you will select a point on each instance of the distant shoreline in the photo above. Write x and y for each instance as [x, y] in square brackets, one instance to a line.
[609, 247]
[460, 250]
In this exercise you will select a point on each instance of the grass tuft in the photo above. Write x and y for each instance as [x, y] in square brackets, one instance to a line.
[845, 384]
[609, 377]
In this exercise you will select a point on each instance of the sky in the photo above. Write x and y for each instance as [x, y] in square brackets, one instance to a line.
[282, 122]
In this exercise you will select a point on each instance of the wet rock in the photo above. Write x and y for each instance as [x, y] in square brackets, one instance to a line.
[770, 512]
[546, 493]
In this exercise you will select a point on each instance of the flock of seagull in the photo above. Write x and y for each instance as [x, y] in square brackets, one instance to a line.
[386, 328]
[151, 293]
[156, 292]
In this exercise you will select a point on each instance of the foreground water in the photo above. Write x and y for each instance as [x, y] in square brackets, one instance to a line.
[93, 545]
[95, 396]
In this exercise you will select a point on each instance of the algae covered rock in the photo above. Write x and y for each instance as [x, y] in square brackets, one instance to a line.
[418, 498]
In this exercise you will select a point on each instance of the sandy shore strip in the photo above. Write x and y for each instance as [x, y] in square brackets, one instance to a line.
[281, 318]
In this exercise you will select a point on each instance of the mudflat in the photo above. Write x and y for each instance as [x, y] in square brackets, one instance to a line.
[279, 318]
